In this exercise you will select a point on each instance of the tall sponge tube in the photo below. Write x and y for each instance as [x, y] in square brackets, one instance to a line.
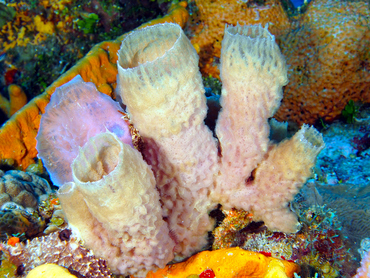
[253, 72]
[158, 75]
[123, 219]
[161, 85]
[278, 178]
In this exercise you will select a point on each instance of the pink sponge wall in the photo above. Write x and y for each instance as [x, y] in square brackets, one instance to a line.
[77, 111]
[364, 270]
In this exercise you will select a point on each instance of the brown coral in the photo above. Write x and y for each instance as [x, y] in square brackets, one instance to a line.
[60, 248]
[22, 188]
[14, 219]
[329, 61]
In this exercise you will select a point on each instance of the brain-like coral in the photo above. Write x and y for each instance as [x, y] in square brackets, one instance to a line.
[22, 188]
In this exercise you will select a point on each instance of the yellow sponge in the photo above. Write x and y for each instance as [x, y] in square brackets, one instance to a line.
[50, 271]
[229, 263]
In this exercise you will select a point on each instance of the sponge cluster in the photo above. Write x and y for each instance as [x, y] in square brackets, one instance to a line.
[140, 210]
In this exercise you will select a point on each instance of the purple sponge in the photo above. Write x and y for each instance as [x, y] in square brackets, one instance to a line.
[77, 111]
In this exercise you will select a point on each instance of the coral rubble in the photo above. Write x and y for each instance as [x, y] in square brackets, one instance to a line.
[58, 248]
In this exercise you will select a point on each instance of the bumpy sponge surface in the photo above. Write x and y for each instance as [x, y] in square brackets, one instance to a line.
[114, 206]
[162, 88]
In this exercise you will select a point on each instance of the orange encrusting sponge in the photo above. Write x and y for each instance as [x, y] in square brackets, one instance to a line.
[229, 263]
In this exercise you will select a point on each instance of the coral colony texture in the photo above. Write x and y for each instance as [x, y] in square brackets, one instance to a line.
[138, 210]
[328, 55]
[22, 188]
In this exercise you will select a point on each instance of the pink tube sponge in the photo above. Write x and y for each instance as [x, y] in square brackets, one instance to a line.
[161, 85]
[113, 205]
[77, 111]
[364, 270]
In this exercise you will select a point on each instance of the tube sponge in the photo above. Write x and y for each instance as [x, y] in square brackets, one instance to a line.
[278, 179]
[162, 88]
[255, 174]
[76, 112]
[364, 270]
[113, 205]
[158, 69]
[253, 72]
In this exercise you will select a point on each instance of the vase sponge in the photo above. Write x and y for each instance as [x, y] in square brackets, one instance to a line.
[76, 112]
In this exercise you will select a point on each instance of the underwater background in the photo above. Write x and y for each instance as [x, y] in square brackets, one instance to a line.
[45, 43]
